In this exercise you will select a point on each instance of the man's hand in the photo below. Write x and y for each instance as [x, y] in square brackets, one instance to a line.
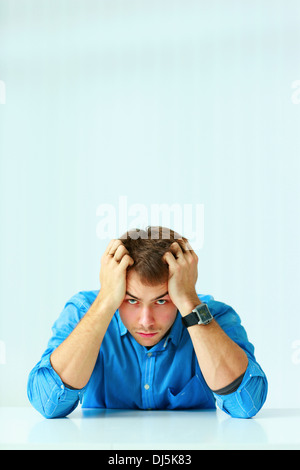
[114, 264]
[183, 275]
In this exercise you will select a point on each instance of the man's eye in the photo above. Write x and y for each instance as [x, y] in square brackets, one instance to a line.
[161, 300]
[131, 301]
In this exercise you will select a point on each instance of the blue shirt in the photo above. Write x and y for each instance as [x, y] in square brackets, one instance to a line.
[128, 375]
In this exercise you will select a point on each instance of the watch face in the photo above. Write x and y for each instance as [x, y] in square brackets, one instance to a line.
[200, 315]
[204, 314]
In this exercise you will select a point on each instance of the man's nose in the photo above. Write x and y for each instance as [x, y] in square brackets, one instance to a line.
[146, 318]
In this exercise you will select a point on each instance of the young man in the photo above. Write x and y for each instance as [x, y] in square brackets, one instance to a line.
[147, 340]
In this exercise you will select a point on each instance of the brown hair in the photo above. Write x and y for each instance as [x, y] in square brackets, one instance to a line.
[147, 247]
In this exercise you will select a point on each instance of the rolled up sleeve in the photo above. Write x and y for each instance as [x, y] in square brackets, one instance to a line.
[48, 394]
[250, 396]
[45, 389]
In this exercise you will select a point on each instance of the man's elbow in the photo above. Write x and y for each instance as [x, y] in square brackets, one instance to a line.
[247, 401]
[48, 400]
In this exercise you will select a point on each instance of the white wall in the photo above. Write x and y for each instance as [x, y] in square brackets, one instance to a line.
[158, 102]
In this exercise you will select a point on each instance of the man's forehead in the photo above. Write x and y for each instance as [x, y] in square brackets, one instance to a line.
[135, 288]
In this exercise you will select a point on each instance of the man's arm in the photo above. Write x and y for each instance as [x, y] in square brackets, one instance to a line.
[56, 383]
[220, 359]
[74, 359]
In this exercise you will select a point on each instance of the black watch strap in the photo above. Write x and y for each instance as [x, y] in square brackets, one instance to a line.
[199, 316]
[190, 319]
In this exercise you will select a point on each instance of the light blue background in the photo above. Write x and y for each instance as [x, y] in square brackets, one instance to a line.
[164, 102]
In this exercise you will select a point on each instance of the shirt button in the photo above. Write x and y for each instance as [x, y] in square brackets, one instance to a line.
[146, 386]
[149, 354]
[62, 387]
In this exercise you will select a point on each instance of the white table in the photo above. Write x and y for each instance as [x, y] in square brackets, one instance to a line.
[25, 428]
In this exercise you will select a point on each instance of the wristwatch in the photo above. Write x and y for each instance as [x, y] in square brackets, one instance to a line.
[200, 315]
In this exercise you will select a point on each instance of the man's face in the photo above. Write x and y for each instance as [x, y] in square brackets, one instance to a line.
[147, 312]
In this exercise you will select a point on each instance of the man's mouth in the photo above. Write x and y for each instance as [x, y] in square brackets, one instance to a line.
[146, 335]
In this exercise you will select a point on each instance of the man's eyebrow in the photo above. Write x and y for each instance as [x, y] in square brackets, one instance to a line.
[159, 297]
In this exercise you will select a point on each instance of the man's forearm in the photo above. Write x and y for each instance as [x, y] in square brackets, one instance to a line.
[74, 359]
[220, 359]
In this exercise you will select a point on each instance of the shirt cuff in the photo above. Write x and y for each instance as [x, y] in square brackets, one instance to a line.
[48, 394]
[250, 396]
[232, 387]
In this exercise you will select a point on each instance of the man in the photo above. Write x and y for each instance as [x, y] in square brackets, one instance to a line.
[146, 340]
